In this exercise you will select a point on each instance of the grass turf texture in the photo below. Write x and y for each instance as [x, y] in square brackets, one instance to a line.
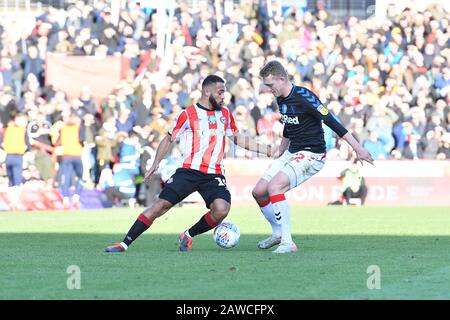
[336, 246]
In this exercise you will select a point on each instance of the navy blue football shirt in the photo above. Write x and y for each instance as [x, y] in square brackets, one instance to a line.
[302, 114]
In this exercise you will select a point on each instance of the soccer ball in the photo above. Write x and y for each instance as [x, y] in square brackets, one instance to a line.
[226, 235]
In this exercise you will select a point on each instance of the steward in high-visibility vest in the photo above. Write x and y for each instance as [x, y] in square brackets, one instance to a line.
[15, 143]
[70, 141]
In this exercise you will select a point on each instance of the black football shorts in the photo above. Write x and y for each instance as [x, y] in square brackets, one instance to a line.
[186, 181]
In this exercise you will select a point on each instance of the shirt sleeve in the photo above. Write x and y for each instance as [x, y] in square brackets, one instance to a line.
[317, 109]
[231, 129]
[335, 125]
[179, 126]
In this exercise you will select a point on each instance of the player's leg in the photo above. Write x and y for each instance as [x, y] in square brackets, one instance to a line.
[180, 185]
[213, 190]
[18, 170]
[261, 194]
[143, 222]
[300, 167]
[10, 169]
[14, 164]
[363, 193]
[219, 209]
[78, 169]
[278, 186]
[66, 176]
[348, 194]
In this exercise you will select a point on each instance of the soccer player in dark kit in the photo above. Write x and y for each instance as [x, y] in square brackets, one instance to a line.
[300, 155]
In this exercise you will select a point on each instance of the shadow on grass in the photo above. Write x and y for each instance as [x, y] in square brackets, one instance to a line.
[36, 266]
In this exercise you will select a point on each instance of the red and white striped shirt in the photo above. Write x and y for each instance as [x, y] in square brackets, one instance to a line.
[202, 135]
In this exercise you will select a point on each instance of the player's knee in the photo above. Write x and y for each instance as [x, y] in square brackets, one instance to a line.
[219, 215]
[220, 210]
[164, 205]
[274, 188]
[259, 192]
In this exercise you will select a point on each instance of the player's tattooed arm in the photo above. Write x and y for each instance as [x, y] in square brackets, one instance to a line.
[361, 153]
[161, 153]
[284, 145]
[250, 144]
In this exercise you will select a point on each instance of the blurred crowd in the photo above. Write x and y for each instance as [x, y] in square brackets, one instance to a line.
[388, 83]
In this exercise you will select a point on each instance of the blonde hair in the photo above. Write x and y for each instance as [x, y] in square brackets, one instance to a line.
[273, 68]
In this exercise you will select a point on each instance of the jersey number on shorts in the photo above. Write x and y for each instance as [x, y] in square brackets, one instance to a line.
[221, 181]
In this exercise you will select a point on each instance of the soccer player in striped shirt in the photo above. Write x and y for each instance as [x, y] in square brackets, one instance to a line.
[203, 128]
[300, 155]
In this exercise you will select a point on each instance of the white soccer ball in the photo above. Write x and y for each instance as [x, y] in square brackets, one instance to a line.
[226, 235]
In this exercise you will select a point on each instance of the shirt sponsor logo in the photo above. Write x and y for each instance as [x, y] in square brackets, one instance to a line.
[212, 120]
[289, 120]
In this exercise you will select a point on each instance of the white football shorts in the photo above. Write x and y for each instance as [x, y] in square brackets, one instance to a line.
[299, 166]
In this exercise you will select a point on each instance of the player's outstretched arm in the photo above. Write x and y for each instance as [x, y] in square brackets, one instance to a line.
[250, 144]
[161, 152]
[361, 153]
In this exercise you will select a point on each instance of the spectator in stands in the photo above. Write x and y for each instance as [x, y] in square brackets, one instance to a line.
[110, 107]
[381, 121]
[126, 120]
[390, 78]
[265, 125]
[444, 147]
[130, 153]
[442, 80]
[15, 143]
[70, 141]
[375, 146]
[33, 64]
[6, 72]
[359, 131]
[413, 148]
[106, 141]
[431, 142]
[8, 107]
[88, 103]
[143, 107]
[118, 186]
[42, 147]
[89, 151]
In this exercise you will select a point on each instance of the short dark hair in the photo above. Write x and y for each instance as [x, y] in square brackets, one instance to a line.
[273, 68]
[211, 79]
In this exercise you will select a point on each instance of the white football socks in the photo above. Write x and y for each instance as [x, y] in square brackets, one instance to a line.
[123, 244]
[269, 214]
[281, 208]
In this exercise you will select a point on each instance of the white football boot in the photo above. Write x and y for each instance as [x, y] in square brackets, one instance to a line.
[286, 248]
[269, 242]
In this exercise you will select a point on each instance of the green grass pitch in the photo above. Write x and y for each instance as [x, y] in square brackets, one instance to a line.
[337, 245]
